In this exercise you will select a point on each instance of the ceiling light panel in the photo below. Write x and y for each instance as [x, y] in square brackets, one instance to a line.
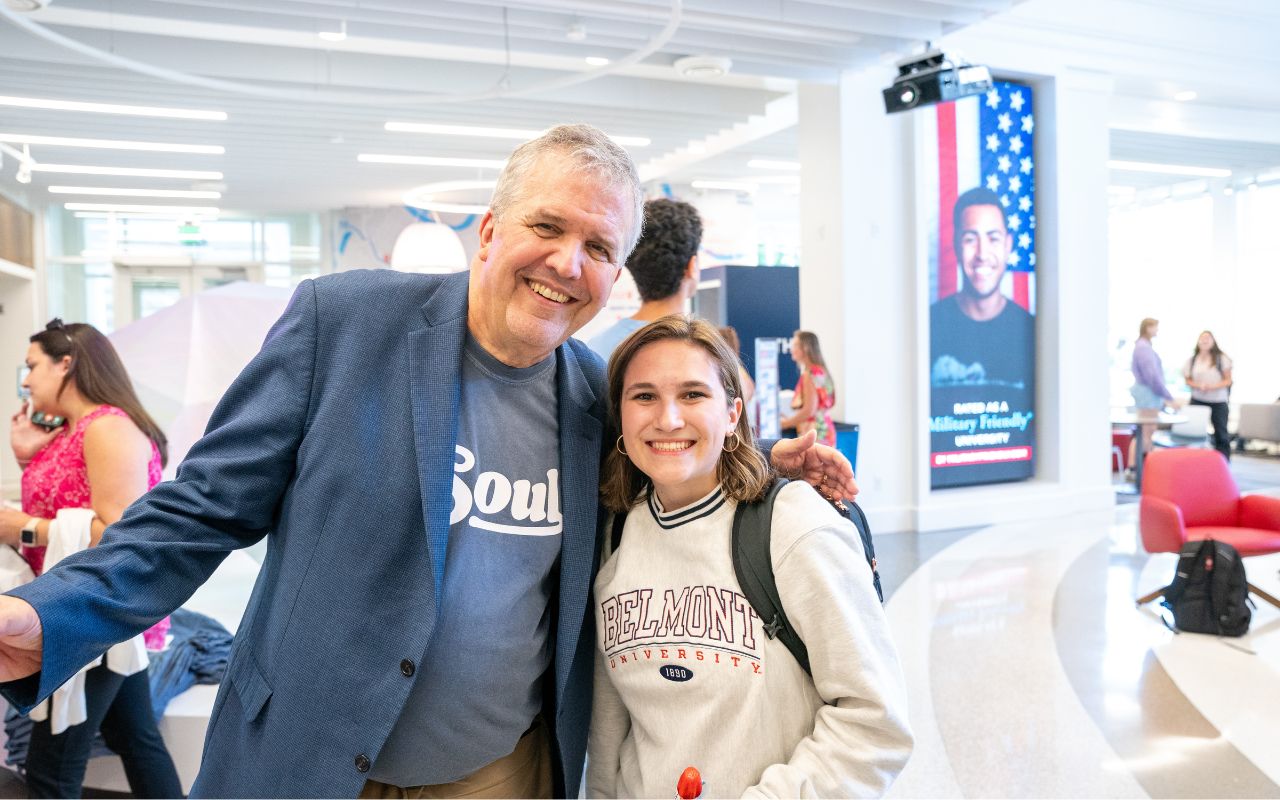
[520, 134]
[728, 186]
[114, 192]
[337, 34]
[431, 161]
[765, 163]
[134, 172]
[140, 209]
[112, 144]
[428, 197]
[1170, 169]
[112, 108]
[147, 215]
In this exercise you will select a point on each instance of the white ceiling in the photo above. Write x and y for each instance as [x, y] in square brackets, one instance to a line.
[1245, 159]
[1225, 51]
[299, 153]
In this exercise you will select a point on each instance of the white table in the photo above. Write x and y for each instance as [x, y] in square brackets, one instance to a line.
[1135, 419]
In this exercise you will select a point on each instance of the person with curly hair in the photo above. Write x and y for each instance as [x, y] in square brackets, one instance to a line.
[664, 266]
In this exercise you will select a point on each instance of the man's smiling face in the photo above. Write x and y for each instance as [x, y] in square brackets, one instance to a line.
[546, 267]
[983, 248]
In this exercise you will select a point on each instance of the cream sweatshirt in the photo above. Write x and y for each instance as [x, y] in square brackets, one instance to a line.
[685, 675]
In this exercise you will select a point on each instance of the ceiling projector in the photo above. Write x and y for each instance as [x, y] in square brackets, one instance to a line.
[933, 78]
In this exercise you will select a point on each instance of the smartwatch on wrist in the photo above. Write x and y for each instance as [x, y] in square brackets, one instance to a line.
[28, 537]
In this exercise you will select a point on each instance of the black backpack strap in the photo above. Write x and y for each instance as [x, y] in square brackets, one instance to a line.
[615, 533]
[1188, 557]
[854, 513]
[753, 566]
[1226, 561]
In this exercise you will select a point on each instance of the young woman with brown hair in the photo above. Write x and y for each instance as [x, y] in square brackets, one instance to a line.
[685, 672]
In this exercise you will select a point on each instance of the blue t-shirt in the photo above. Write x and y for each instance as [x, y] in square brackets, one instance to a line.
[479, 686]
[607, 340]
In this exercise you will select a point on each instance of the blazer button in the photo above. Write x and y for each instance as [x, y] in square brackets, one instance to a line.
[362, 763]
[406, 668]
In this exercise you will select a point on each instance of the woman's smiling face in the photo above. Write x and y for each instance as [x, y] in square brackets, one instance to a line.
[675, 417]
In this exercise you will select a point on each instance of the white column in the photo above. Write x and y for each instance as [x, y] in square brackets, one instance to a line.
[856, 278]
[1072, 371]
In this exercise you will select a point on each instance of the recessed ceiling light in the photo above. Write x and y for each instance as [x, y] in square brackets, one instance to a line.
[1170, 169]
[114, 192]
[576, 32]
[140, 209]
[338, 34]
[728, 186]
[431, 161]
[134, 172]
[426, 197]
[596, 61]
[702, 66]
[764, 163]
[112, 144]
[147, 215]
[1185, 96]
[520, 134]
[26, 5]
[111, 108]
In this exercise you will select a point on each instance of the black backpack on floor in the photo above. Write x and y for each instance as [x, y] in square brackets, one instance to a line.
[1209, 593]
[753, 566]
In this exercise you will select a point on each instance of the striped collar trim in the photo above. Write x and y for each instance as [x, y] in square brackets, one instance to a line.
[696, 510]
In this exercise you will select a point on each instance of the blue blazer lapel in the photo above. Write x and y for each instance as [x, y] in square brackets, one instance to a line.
[435, 384]
[581, 424]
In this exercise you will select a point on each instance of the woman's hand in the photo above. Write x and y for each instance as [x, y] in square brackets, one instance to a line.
[27, 437]
[11, 522]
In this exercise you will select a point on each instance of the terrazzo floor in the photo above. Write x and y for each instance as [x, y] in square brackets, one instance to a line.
[1032, 673]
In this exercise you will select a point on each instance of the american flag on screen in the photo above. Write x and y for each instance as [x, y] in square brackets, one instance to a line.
[984, 140]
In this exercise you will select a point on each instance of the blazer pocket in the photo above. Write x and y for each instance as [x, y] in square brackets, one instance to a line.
[252, 689]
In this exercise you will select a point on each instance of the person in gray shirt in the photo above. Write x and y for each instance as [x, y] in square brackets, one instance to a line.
[664, 266]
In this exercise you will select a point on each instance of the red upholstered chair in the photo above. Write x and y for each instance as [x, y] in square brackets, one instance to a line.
[1188, 494]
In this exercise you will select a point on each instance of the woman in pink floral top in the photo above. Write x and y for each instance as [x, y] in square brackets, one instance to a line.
[815, 391]
[108, 453]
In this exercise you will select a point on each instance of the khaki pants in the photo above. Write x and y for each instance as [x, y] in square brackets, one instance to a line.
[524, 773]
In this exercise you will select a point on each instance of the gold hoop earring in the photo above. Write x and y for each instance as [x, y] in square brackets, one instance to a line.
[736, 443]
[618, 446]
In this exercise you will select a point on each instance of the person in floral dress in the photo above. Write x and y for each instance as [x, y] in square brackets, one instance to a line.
[815, 391]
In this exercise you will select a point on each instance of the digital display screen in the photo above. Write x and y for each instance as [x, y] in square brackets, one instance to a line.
[979, 191]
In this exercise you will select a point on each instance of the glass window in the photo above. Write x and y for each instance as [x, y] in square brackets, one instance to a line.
[84, 249]
[1162, 260]
[153, 294]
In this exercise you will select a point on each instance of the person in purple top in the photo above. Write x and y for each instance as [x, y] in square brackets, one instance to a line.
[1149, 390]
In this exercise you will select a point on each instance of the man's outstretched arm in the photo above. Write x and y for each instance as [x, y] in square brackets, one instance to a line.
[824, 467]
[226, 496]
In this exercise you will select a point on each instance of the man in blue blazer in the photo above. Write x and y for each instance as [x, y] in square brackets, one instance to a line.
[423, 452]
